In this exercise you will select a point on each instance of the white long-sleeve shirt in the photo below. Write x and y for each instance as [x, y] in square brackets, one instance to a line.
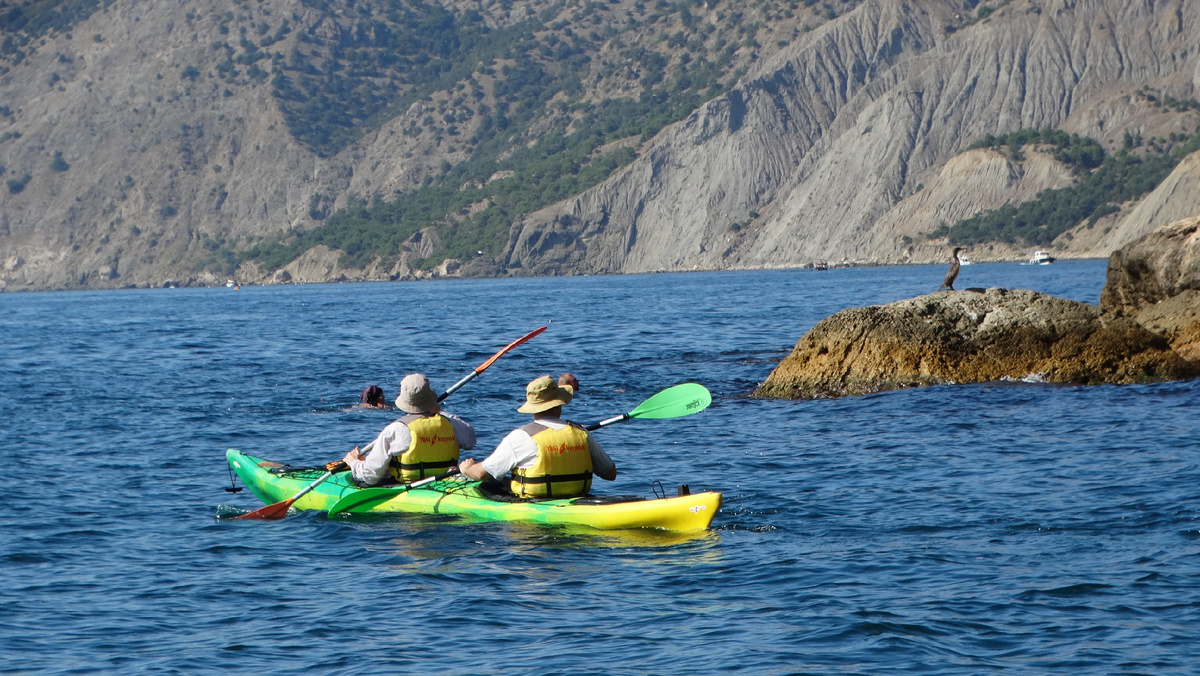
[394, 440]
[519, 450]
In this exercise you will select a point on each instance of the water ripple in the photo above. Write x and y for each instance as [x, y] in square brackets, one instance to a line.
[950, 530]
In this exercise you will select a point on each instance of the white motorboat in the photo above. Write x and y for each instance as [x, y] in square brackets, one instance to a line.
[1040, 257]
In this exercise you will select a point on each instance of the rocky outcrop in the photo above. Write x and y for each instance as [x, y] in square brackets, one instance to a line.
[319, 263]
[1178, 320]
[1156, 267]
[972, 336]
[1156, 279]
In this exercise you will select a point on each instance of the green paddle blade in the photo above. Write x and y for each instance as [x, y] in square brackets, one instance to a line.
[674, 402]
[363, 500]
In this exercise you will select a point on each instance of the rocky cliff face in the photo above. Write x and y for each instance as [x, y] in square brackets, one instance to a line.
[825, 142]
[1176, 198]
[159, 166]
[975, 181]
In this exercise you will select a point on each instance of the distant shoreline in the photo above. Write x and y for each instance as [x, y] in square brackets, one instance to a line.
[771, 268]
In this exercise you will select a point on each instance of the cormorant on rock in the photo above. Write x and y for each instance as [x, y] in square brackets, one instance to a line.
[952, 274]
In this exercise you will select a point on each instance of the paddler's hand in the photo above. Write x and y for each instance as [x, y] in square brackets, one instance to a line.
[471, 469]
[353, 456]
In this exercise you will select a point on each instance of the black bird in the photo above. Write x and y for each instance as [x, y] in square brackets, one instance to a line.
[952, 274]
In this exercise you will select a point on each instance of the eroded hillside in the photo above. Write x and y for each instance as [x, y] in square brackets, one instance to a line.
[146, 141]
[154, 141]
[819, 152]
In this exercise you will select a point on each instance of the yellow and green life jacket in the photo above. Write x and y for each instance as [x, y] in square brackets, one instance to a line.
[563, 468]
[433, 449]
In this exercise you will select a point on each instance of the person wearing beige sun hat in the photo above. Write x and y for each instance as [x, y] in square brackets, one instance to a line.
[424, 443]
[549, 457]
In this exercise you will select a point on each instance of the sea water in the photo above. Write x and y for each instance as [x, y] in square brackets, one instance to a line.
[1023, 527]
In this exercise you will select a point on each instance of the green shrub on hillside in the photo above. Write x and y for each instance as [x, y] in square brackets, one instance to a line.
[16, 185]
[506, 95]
[38, 17]
[1081, 153]
[1118, 178]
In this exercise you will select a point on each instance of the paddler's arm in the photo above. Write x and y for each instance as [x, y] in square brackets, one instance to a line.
[372, 468]
[474, 470]
[602, 465]
[513, 449]
[464, 433]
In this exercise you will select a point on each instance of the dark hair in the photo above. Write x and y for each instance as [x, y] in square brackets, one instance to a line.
[372, 395]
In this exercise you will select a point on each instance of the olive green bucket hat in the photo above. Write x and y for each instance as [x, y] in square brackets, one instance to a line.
[544, 394]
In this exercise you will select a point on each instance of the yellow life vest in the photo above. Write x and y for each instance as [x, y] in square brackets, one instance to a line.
[563, 468]
[433, 449]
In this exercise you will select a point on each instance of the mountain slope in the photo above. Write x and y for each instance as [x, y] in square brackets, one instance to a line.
[150, 141]
[145, 141]
[824, 142]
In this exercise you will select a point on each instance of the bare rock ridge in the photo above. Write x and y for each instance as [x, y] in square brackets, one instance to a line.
[825, 143]
[975, 181]
[1148, 329]
[1176, 198]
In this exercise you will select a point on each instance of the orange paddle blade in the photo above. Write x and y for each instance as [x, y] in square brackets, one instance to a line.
[522, 339]
[270, 512]
[280, 509]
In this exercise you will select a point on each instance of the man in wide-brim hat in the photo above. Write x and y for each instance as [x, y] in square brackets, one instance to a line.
[549, 457]
[423, 443]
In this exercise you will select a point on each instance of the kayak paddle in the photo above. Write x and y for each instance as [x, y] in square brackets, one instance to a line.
[279, 510]
[483, 367]
[673, 402]
[377, 495]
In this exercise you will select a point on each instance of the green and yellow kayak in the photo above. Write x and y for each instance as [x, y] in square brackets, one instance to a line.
[457, 495]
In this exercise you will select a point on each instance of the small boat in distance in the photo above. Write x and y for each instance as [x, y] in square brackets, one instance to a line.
[820, 265]
[1040, 257]
[964, 259]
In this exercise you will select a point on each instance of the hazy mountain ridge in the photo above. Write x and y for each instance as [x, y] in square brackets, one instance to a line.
[172, 172]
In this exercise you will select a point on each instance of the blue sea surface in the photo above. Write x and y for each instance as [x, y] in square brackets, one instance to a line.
[1025, 528]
